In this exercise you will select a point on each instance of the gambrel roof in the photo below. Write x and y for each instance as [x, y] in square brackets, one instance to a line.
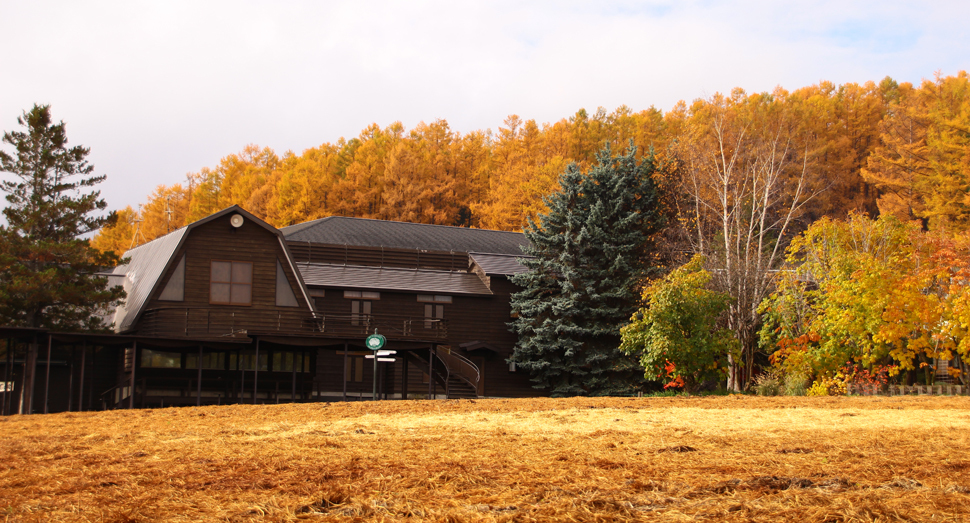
[149, 262]
[339, 230]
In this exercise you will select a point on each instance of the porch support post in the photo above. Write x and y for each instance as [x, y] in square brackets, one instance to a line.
[198, 390]
[404, 377]
[94, 372]
[47, 372]
[70, 379]
[430, 372]
[30, 369]
[306, 370]
[344, 377]
[80, 387]
[134, 365]
[242, 376]
[256, 372]
[293, 393]
[5, 405]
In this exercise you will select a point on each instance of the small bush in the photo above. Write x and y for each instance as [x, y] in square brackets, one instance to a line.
[828, 386]
[768, 383]
[795, 385]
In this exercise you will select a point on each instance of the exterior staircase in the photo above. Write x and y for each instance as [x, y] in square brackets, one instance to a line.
[459, 388]
[459, 377]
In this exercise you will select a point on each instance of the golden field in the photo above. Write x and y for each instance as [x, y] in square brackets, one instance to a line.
[733, 458]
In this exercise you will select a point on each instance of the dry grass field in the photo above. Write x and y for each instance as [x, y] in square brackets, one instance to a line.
[670, 459]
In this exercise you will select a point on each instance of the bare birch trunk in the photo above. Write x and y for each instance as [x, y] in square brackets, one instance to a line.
[745, 193]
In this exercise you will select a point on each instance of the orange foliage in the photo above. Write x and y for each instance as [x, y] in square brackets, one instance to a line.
[433, 174]
[677, 382]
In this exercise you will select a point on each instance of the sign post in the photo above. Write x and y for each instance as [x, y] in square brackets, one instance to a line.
[375, 342]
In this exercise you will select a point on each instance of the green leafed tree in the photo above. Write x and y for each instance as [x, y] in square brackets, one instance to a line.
[582, 282]
[676, 335]
[47, 268]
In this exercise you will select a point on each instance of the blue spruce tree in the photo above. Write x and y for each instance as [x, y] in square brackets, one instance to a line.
[590, 252]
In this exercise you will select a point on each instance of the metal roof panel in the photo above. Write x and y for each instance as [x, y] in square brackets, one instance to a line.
[340, 230]
[498, 264]
[145, 267]
[392, 279]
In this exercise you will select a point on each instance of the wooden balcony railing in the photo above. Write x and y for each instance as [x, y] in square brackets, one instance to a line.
[205, 322]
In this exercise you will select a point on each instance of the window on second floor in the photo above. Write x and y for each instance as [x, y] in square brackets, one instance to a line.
[231, 283]
[175, 288]
[359, 311]
[433, 314]
[434, 311]
[284, 293]
[360, 308]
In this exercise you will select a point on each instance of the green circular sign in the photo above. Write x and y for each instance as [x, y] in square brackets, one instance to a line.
[375, 341]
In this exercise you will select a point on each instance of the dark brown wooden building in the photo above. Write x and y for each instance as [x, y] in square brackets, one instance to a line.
[230, 309]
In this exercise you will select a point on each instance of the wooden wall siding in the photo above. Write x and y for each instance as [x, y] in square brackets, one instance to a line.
[499, 381]
[464, 317]
[377, 257]
[469, 319]
[218, 240]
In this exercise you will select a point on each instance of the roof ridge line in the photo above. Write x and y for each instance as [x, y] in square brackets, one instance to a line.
[311, 264]
[401, 222]
[501, 254]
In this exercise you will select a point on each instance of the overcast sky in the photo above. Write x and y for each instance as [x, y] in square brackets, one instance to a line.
[161, 89]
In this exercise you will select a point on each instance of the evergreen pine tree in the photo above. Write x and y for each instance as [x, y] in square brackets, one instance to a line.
[46, 267]
[581, 286]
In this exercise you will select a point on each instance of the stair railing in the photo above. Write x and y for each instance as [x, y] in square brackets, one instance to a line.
[110, 403]
[462, 368]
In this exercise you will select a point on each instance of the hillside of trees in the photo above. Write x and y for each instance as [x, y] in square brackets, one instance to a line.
[883, 147]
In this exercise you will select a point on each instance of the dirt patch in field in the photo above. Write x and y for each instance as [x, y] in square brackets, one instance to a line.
[602, 459]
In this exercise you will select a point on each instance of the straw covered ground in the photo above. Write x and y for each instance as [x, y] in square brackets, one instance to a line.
[613, 459]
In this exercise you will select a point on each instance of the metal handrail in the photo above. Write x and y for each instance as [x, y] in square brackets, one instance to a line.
[119, 386]
[463, 361]
[463, 367]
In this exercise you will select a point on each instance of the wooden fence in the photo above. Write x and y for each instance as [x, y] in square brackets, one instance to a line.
[941, 389]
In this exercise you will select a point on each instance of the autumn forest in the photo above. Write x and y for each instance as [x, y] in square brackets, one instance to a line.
[875, 147]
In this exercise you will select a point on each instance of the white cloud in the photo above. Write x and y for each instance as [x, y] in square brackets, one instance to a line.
[161, 89]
